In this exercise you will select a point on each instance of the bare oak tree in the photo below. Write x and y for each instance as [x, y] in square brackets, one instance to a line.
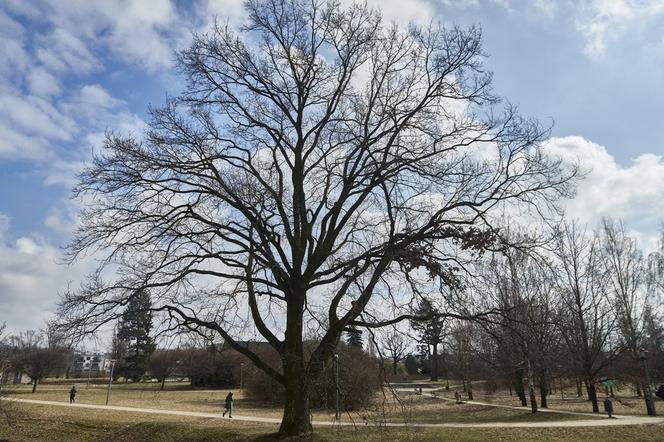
[315, 157]
[395, 347]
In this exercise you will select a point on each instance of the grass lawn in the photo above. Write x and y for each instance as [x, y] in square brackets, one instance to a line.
[626, 401]
[406, 407]
[37, 422]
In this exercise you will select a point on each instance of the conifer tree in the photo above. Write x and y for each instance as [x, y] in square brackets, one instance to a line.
[134, 335]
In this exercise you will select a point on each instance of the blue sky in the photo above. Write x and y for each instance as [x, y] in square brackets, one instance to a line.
[71, 70]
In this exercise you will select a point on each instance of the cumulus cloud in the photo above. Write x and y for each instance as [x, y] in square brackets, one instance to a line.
[632, 192]
[30, 278]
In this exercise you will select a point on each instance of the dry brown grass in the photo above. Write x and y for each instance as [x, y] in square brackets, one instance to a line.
[626, 401]
[37, 422]
[404, 407]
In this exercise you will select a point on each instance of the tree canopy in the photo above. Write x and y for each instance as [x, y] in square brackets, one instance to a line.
[318, 168]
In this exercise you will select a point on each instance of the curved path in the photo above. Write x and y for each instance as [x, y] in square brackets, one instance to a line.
[620, 420]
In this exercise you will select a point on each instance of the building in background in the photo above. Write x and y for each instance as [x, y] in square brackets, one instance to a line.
[92, 362]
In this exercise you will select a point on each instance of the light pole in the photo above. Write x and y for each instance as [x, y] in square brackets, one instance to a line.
[242, 377]
[650, 404]
[110, 381]
[89, 370]
[336, 383]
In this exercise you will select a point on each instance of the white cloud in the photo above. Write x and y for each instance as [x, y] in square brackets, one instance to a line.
[231, 10]
[94, 95]
[61, 51]
[136, 31]
[30, 278]
[42, 84]
[28, 125]
[631, 192]
[604, 21]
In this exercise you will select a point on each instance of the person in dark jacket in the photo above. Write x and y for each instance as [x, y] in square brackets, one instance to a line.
[228, 405]
[72, 395]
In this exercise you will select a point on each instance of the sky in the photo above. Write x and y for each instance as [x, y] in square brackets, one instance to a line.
[71, 71]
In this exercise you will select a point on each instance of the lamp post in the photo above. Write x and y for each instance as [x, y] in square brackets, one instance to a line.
[650, 404]
[336, 383]
[242, 377]
[89, 370]
[110, 381]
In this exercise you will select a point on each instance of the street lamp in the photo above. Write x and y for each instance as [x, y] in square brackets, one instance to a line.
[650, 404]
[89, 370]
[110, 381]
[336, 383]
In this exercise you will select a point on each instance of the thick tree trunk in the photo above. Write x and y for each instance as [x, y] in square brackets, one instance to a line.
[34, 385]
[543, 392]
[296, 420]
[163, 381]
[518, 386]
[470, 390]
[579, 391]
[394, 366]
[592, 395]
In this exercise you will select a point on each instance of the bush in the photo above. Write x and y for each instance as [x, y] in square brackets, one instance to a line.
[359, 380]
[209, 368]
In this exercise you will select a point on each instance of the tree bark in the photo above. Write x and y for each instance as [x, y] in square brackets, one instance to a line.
[163, 381]
[296, 419]
[592, 395]
[518, 386]
[34, 385]
[543, 392]
[470, 390]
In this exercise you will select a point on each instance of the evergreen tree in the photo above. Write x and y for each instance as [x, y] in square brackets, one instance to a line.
[134, 335]
[354, 338]
[430, 332]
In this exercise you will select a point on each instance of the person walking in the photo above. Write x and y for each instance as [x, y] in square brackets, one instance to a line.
[228, 405]
[72, 394]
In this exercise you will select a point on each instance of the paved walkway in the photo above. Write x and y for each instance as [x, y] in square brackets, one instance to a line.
[620, 420]
[431, 393]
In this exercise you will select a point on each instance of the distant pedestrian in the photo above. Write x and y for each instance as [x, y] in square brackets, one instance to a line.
[457, 396]
[228, 405]
[608, 407]
[72, 395]
[420, 390]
